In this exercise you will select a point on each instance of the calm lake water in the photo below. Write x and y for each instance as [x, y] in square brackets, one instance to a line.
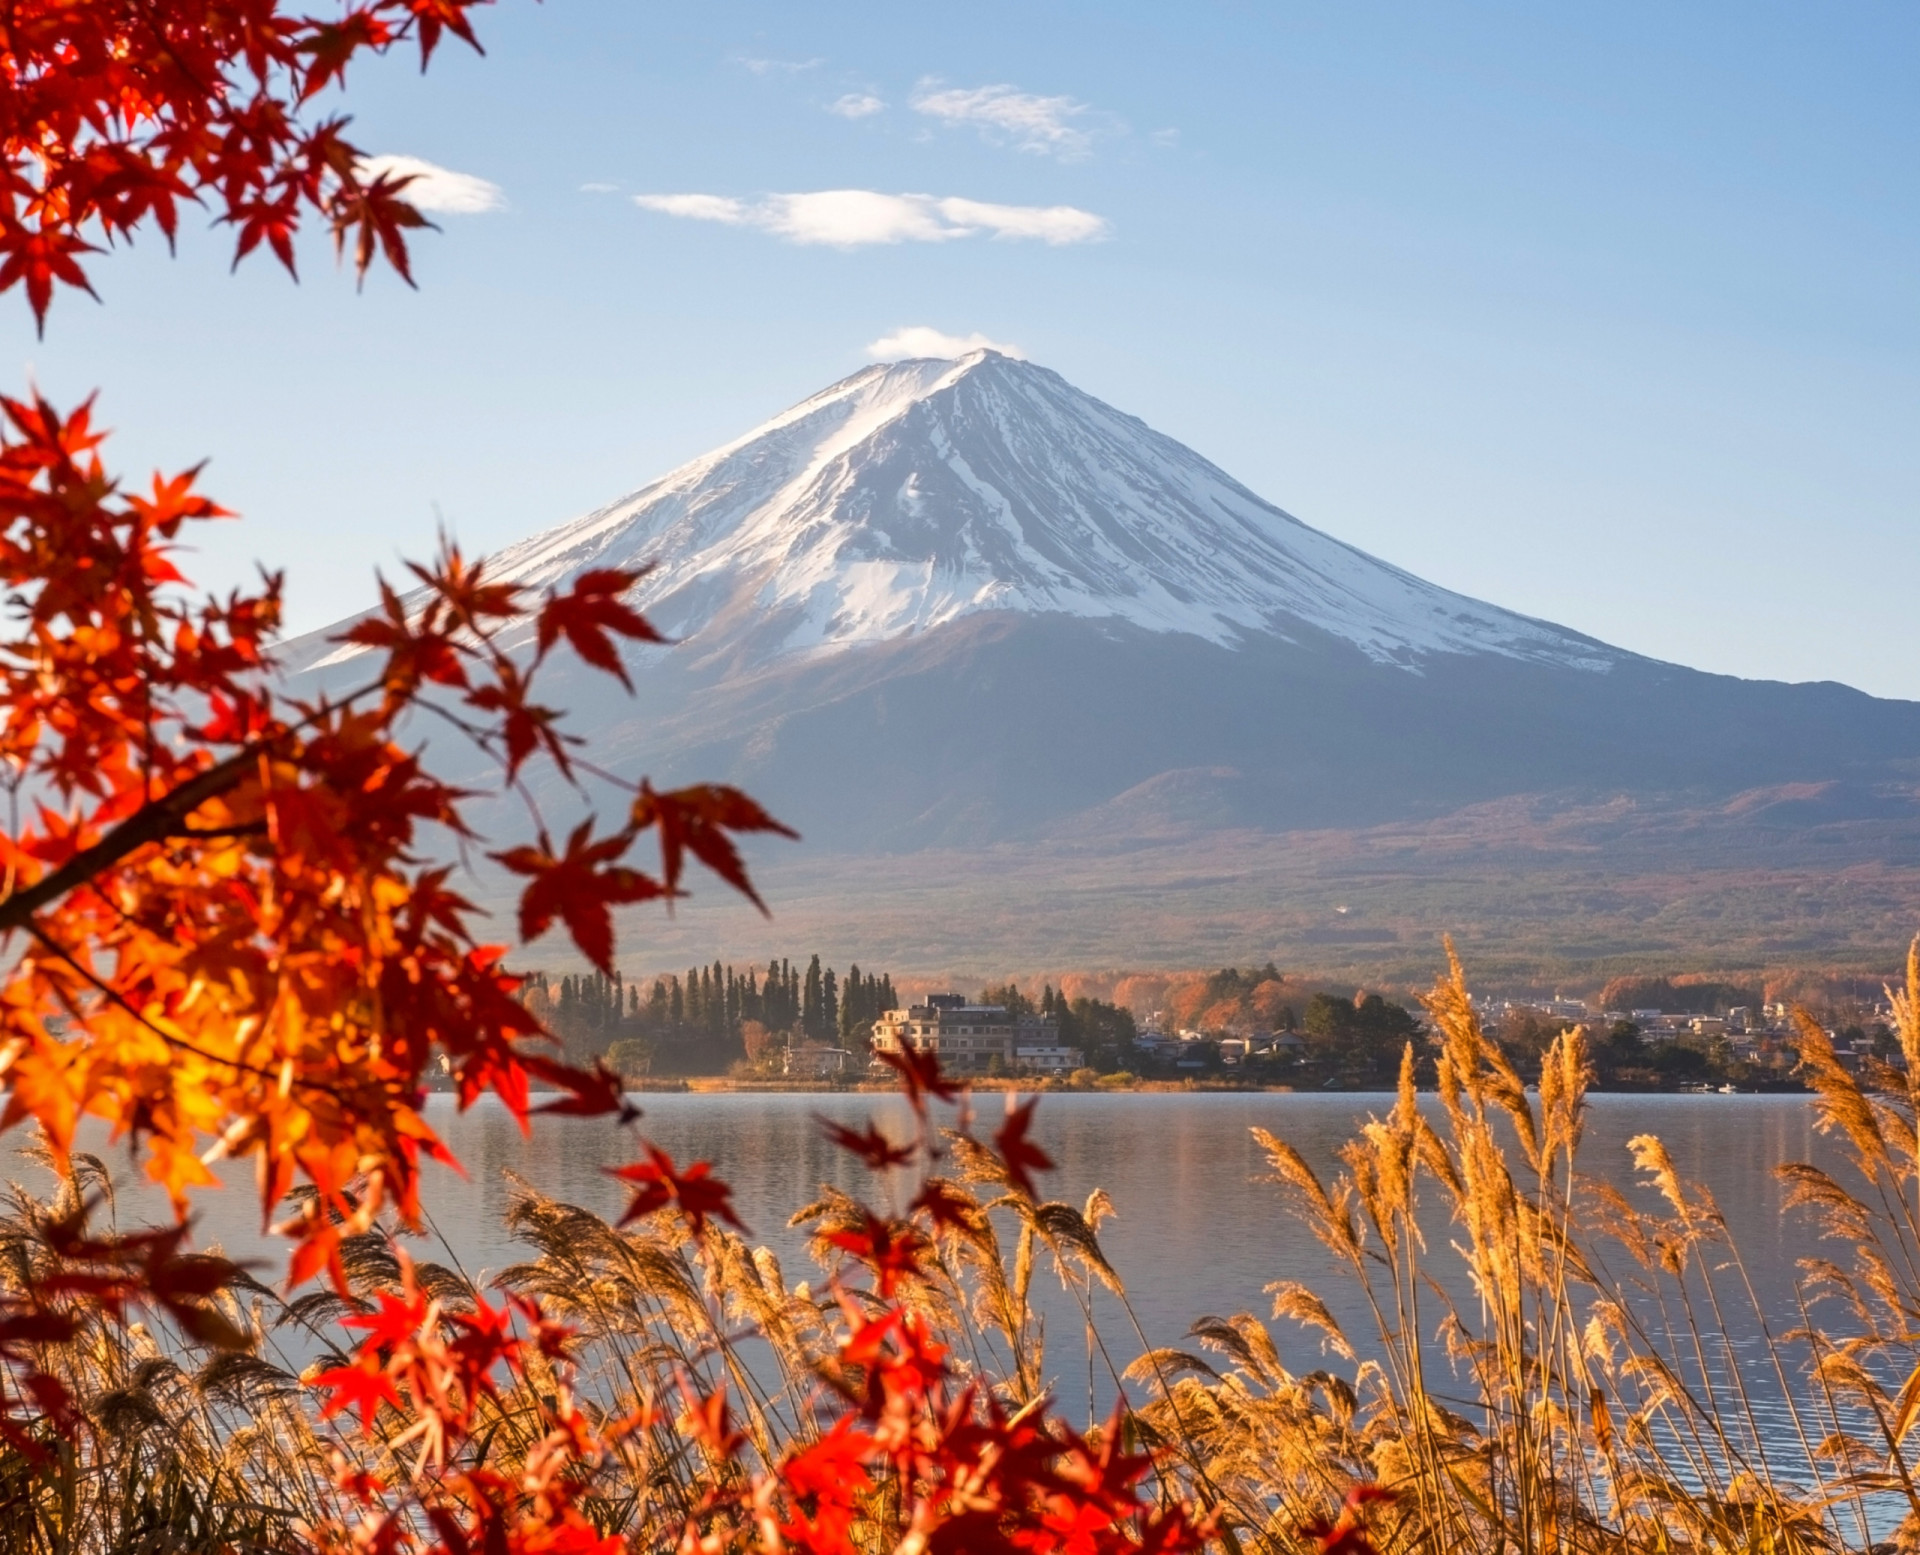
[1197, 1231]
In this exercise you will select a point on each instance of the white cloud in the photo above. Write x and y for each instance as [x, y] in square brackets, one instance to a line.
[785, 67]
[436, 188]
[1165, 137]
[1048, 223]
[599, 188]
[853, 218]
[857, 218]
[923, 340]
[857, 105]
[695, 207]
[1025, 120]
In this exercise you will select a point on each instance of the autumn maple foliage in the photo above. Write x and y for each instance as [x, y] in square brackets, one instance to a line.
[114, 114]
[233, 941]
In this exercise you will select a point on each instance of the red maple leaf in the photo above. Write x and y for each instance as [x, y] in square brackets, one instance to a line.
[696, 820]
[486, 1339]
[873, 1148]
[709, 1422]
[397, 1320]
[658, 1184]
[39, 258]
[1018, 1153]
[589, 612]
[920, 1077]
[364, 1386]
[946, 1207]
[580, 888]
[891, 1248]
[826, 1480]
[416, 650]
[1173, 1530]
[1347, 1533]
[377, 214]
[525, 725]
[586, 1093]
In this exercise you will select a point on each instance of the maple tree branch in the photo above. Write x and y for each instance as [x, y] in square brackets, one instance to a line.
[481, 735]
[156, 821]
[604, 775]
[151, 823]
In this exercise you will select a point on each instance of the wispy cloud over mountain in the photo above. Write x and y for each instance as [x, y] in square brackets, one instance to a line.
[858, 218]
[918, 340]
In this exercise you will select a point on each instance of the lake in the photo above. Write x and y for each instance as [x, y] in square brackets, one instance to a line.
[1196, 1232]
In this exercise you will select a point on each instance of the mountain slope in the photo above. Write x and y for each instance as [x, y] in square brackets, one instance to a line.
[963, 607]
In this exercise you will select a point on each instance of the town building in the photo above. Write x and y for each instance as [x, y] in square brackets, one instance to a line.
[1046, 1058]
[815, 1063]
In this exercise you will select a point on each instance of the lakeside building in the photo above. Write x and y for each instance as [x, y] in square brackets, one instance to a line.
[971, 1038]
[815, 1063]
[1046, 1057]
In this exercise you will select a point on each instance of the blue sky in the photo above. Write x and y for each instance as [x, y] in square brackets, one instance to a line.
[1609, 314]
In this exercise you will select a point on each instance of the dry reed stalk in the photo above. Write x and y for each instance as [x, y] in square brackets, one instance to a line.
[1579, 1408]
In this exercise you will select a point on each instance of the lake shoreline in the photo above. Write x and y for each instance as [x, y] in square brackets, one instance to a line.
[727, 1085]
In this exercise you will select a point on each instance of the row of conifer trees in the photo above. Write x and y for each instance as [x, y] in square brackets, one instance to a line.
[711, 1005]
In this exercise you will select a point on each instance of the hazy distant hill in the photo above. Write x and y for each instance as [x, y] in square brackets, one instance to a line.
[965, 612]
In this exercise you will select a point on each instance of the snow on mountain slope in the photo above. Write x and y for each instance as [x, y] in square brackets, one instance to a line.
[909, 495]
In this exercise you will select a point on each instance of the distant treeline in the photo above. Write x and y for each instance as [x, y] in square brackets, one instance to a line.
[1103, 1032]
[716, 1014]
[1683, 995]
[712, 1018]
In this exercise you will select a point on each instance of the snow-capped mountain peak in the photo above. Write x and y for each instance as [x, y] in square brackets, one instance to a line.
[910, 495]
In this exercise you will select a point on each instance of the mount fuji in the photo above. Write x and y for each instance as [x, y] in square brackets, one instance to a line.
[909, 497]
[962, 610]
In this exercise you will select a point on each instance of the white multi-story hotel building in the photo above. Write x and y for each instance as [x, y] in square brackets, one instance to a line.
[966, 1037]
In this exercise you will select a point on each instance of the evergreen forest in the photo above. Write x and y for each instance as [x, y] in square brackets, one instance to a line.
[712, 1017]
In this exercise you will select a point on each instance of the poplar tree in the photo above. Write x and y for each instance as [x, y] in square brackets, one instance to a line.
[811, 1002]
